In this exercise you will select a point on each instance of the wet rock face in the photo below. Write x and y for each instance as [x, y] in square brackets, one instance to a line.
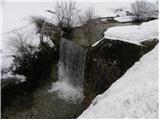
[108, 61]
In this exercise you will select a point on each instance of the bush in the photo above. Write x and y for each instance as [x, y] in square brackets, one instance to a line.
[144, 10]
[33, 62]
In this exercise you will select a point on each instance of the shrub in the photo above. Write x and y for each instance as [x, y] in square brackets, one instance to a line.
[34, 62]
[144, 10]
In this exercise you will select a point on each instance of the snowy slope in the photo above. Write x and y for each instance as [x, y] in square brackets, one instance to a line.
[134, 95]
[134, 33]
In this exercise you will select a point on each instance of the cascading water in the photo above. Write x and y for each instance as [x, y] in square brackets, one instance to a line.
[72, 63]
[71, 67]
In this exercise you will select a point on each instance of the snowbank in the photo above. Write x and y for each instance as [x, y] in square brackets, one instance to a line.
[134, 95]
[123, 11]
[135, 33]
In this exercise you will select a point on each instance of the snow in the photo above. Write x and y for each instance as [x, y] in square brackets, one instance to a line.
[118, 9]
[103, 9]
[66, 92]
[122, 11]
[10, 78]
[22, 78]
[135, 33]
[6, 61]
[124, 19]
[134, 95]
[16, 18]
[96, 43]
[110, 13]
[47, 40]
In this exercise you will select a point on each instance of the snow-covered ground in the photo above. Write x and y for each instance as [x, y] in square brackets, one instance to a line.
[135, 33]
[134, 95]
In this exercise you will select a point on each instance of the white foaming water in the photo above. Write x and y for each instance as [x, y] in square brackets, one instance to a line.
[67, 92]
[71, 68]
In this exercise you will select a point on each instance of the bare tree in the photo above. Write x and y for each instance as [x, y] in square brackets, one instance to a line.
[88, 20]
[65, 13]
[88, 15]
[143, 10]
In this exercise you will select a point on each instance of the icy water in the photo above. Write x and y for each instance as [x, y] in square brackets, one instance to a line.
[45, 105]
[72, 63]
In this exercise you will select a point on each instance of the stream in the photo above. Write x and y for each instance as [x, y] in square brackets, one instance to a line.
[62, 99]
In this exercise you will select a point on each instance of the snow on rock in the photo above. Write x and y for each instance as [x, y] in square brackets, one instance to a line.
[21, 78]
[122, 11]
[66, 91]
[135, 33]
[47, 40]
[134, 95]
[96, 43]
[10, 78]
[124, 19]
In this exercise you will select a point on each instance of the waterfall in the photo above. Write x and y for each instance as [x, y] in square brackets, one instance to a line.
[71, 64]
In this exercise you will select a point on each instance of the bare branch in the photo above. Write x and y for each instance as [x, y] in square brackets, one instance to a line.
[143, 10]
[65, 13]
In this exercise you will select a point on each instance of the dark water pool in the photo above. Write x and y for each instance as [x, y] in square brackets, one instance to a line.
[42, 104]
[45, 105]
